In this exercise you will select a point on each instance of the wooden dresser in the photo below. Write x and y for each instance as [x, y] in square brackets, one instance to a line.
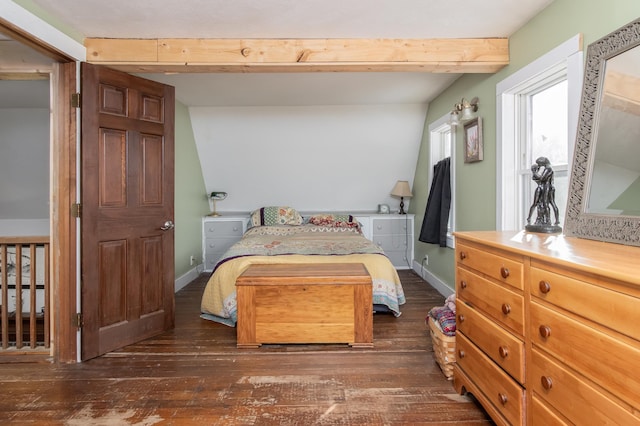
[548, 328]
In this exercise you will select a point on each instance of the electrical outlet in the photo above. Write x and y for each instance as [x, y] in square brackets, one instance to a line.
[425, 260]
[192, 260]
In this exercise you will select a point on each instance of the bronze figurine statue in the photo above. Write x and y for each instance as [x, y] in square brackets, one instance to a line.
[543, 199]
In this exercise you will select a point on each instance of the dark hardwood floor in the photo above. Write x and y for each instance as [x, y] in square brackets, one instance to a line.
[194, 374]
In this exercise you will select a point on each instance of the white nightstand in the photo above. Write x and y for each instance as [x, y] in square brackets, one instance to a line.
[218, 234]
[392, 232]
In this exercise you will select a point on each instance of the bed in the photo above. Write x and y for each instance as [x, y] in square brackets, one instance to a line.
[278, 235]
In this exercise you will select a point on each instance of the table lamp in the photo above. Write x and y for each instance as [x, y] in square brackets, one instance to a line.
[401, 190]
[215, 196]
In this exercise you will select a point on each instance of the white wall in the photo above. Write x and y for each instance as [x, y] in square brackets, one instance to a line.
[313, 158]
[24, 171]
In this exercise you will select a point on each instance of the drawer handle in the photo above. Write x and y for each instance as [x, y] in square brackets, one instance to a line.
[461, 353]
[503, 398]
[545, 331]
[546, 382]
[504, 272]
[544, 286]
[504, 351]
[461, 318]
[463, 284]
[463, 255]
[506, 308]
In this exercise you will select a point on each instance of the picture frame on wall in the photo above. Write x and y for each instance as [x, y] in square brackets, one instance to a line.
[473, 147]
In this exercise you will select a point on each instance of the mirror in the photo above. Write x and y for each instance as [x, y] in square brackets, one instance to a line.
[604, 201]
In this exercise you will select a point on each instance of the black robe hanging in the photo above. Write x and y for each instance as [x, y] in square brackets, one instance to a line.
[436, 215]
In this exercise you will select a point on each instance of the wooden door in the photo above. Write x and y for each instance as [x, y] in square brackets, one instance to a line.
[127, 180]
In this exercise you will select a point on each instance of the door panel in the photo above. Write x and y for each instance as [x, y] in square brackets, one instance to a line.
[112, 180]
[152, 167]
[127, 196]
[113, 258]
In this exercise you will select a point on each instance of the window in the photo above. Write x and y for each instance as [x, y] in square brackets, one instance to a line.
[441, 145]
[537, 117]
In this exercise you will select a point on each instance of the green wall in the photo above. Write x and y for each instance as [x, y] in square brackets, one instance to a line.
[191, 202]
[628, 200]
[476, 182]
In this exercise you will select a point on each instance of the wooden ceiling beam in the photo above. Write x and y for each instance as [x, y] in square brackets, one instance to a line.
[486, 55]
[622, 92]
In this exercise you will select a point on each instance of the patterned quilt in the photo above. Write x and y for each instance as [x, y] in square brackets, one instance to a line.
[298, 244]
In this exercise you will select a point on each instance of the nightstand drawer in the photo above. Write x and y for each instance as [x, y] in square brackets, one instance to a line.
[223, 228]
[579, 401]
[586, 349]
[496, 385]
[215, 248]
[494, 300]
[391, 242]
[500, 345]
[211, 260]
[398, 258]
[390, 226]
[500, 268]
[219, 245]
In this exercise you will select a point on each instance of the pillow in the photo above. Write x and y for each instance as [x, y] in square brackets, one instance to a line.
[331, 219]
[334, 220]
[275, 215]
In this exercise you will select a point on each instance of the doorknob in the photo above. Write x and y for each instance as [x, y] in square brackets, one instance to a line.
[168, 225]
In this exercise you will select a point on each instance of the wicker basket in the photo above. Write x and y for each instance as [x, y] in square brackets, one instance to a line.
[444, 349]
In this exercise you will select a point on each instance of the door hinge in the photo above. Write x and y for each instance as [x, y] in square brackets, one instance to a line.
[78, 320]
[76, 210]
[75, 100]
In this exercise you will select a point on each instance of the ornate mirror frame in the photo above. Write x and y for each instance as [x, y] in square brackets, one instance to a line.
[609, 228]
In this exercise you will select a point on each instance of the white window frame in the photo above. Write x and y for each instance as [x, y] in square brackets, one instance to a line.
[569, 56]
[437, 131]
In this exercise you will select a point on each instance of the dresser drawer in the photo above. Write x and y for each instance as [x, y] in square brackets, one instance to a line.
[606, 359]
[496, 301]
[223, 228]
[504, 393]
[611, 308]
[578, 400]
[503, 269]
[541, 415]
[500, 345]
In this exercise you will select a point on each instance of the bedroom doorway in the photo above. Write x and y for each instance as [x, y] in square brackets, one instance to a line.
[64, 231]
[25, 133]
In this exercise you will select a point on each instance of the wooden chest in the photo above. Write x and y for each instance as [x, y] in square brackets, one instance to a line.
[305, 303]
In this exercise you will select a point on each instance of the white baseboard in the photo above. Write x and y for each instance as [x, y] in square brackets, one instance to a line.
[185, 279]
[433, 280]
